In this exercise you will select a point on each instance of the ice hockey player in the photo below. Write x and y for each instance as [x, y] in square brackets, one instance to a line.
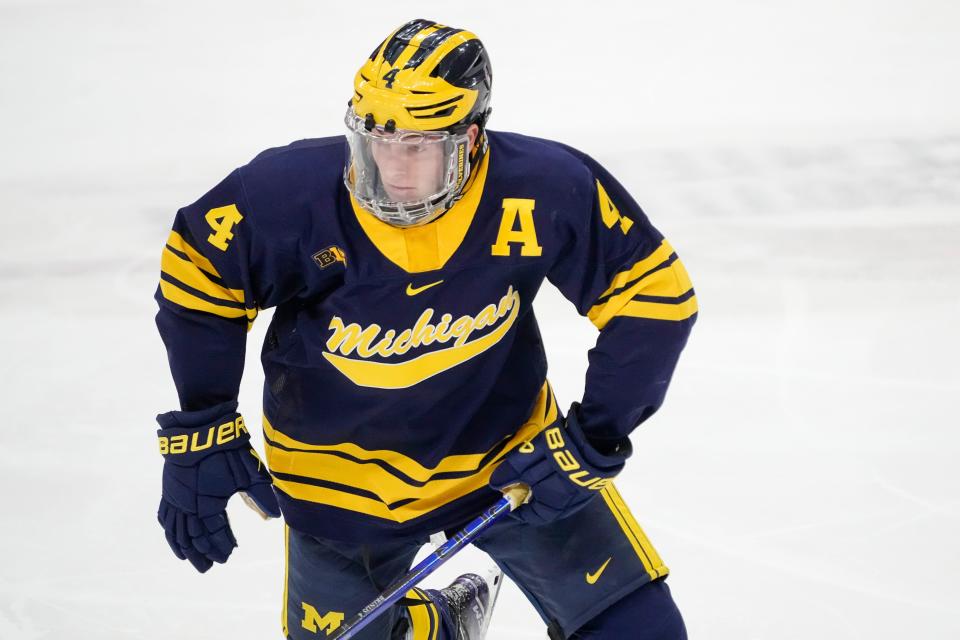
[405, 377]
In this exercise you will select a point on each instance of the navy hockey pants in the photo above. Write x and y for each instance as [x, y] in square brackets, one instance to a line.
[591, 576]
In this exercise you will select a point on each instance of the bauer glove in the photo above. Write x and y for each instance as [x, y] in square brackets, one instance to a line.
[563, 470]
[207, 459]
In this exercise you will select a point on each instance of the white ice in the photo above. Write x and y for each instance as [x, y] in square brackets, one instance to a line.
[804, 158]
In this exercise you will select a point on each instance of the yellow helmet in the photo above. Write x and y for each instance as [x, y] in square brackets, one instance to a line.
[408, 122]
[425, 77]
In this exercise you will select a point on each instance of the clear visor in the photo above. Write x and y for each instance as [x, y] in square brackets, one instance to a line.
[404, 177]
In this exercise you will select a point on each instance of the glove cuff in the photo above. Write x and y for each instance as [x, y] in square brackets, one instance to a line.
[195, 419]
[186, 447]
[609, 464]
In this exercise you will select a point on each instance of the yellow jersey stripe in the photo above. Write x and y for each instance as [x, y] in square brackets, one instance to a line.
[367, 476]
[187, 300]
[189, 274]
[372, 479]
[671, 282]
[402, 463]
[659, 311]
[668, 282]
[659, 255]
[321, 463]
[177, 242]
[333, 498]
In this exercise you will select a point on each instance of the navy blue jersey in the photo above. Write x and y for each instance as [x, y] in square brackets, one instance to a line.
[403, 363]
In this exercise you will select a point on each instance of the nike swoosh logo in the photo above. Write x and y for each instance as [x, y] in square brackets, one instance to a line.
[411, 291]
[593, 577]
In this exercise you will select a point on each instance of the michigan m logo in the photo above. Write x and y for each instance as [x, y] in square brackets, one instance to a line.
[314, 622]
[517, 210]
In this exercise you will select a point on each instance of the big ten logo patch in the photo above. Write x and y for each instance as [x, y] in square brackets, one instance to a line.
[516, 227]
[315, 623]
[329, 256]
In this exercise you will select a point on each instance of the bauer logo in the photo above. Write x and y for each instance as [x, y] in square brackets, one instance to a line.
[567, 462]
[329, 256]
[199, 441]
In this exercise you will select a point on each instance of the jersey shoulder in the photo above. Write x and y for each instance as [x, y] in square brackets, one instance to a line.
[283, 187]
[537, 159]
[567, 184]
[296, 168]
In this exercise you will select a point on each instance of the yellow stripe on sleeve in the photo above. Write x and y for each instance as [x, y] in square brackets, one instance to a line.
[177, 242]
[178, 296]
[659, 310]
[189, 274]
[659, 255]
[670, 282]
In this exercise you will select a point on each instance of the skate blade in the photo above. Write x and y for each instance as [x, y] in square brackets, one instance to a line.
[494, 578]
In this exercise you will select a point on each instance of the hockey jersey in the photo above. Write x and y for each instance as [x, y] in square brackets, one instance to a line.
[402, 364]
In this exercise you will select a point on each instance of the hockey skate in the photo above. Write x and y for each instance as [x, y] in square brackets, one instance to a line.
[470, 599]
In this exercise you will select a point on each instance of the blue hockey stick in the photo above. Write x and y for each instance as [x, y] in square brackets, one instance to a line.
[512, 498]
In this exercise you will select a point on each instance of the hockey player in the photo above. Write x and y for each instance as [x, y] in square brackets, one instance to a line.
[405, 374]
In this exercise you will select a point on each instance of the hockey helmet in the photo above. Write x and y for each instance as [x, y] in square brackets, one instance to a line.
[414, 100]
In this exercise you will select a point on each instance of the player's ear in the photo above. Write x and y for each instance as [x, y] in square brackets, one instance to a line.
[472, 132]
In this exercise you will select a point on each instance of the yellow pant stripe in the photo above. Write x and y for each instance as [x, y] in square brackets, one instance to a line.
[638, 540]
[638, 531]
[286, 579]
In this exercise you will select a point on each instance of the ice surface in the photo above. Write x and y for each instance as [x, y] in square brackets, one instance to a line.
[803, 158]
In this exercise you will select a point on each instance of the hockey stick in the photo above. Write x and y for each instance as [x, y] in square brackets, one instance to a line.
[513, 497]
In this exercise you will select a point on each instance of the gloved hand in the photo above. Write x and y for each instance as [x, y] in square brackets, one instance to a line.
[207, 458]
[563, 470]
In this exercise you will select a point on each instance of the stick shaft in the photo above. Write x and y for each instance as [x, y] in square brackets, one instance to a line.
[428, 565]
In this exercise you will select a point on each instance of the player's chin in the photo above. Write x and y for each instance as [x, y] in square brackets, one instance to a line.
[402, 194]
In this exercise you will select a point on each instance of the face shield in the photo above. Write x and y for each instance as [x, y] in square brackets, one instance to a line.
[405, 178]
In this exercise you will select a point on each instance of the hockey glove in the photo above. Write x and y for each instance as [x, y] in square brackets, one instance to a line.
[206, 462]
[563, 470]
